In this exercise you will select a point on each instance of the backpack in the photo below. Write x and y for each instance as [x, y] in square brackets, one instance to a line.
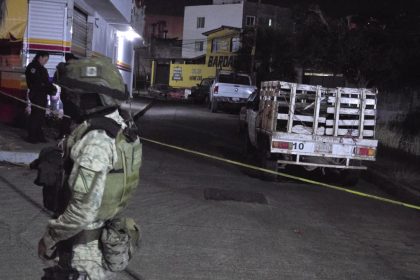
[54, 168]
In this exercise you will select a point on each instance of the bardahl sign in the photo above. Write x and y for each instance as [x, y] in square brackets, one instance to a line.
[221, 61]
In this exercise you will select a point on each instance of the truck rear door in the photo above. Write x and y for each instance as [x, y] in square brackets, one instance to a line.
[47, 30]
[235, 86]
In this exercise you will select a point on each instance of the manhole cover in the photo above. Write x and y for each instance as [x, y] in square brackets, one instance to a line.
[219, 194]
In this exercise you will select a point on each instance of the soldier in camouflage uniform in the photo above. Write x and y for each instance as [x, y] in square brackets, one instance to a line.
[93, 157]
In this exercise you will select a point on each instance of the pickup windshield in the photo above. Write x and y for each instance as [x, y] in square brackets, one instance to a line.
[234, 79]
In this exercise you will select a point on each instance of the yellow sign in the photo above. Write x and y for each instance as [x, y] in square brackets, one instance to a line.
[189, 75]
[220, 44]
[15, 17]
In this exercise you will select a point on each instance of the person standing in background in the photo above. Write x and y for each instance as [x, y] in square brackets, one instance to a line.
[39, 87]
[65, 123]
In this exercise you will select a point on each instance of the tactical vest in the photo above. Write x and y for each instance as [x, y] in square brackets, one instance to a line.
[123, 179]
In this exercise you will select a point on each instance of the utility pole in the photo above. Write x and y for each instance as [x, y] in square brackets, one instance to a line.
[254, 47]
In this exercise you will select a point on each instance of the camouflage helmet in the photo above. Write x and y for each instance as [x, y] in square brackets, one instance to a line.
[93, 76]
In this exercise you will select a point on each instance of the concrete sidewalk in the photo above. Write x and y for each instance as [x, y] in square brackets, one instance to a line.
[14, 149]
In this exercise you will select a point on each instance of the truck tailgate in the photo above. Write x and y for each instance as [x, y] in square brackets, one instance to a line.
[235, 91]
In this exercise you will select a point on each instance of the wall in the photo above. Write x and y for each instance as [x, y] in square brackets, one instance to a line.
[124, 7]
[174, 26]
[103, 37]
[223, 59]
[398, 120]
[108, 41]
[189, 75]
[215, 16]
[166, 48]
[124, 60]
[281, 18]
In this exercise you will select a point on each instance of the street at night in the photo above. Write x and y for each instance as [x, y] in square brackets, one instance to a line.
[209, 140]
[302, 232]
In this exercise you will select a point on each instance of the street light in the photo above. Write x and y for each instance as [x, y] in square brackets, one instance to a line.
[130, 34]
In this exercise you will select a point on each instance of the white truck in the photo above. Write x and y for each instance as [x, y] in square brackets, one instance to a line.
[312, 126]
[230, 87]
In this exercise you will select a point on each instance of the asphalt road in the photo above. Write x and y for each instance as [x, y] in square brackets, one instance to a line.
[303, 232]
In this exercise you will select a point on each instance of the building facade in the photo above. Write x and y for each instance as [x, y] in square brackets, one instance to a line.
[234, 13]
[200, 19]
[221, 51]
[162, 40]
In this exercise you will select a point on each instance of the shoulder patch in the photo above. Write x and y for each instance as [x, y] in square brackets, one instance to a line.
[33, 70]
[94, 151]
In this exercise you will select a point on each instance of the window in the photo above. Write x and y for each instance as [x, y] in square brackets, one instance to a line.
[219, 44]
[199, 46]
[250, 20]
[214, 45]
[200, 22]
[235, 44]
[270, 22]
[234, 79]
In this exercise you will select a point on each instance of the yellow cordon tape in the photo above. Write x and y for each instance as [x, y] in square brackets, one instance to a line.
[362, 194]
[237, 163]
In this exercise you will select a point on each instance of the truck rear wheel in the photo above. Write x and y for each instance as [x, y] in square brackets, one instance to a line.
[267, 162]
[213, 106]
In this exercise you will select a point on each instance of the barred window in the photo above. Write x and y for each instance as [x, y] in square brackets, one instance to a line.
[250, 20]
[199, 46]
[200, 22]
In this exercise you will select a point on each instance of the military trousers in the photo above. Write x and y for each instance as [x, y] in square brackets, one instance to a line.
[80, 262]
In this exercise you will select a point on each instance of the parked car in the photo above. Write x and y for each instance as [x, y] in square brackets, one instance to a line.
[230, 88]
[176, 94]
[200, 93]
[159, 91]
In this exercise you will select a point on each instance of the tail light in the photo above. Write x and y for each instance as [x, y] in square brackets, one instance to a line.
[365, 151]
[216, 90]
[282, 145]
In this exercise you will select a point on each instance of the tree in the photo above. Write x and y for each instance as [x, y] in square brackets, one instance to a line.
[372, 43]
[274, 54]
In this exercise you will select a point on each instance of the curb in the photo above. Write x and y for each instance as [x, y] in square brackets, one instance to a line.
[18, 157]
[391, 187]
[27, 157]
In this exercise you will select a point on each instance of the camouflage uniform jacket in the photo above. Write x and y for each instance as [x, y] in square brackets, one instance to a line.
[94, 156]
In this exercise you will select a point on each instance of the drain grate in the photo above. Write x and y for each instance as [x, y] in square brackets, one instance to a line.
[249, 197]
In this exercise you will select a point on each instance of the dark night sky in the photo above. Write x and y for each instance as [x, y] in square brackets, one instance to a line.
[332, 7]
[176, 7]
[171, 7]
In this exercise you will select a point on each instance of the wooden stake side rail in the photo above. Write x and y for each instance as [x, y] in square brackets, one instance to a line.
[330, 111]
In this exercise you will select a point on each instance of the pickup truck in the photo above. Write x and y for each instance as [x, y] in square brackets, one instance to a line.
[312, 126]
[228, 87]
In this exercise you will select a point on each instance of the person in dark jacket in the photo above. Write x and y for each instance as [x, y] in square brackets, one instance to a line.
[65, 123]
[39, 86]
